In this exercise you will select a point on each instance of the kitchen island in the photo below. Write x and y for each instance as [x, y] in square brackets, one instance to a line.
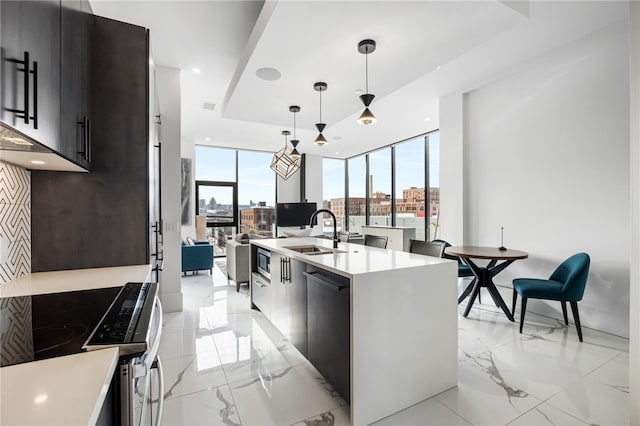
[380, 325]
[67, 390]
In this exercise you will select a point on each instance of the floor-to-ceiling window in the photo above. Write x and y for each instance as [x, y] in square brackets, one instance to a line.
[380, 187]
[256, 193]
[410, 194]
[235, 192]
[356, 201]
[433, 142]
[407, 167]
[333, 189]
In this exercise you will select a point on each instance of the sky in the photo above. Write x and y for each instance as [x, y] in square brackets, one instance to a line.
[256, 180]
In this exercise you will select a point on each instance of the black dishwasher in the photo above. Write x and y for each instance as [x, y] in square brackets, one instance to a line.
[329, 330]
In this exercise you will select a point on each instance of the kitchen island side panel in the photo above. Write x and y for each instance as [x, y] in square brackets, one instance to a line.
[404, 328]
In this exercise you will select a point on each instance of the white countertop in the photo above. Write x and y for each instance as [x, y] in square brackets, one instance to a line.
[75, 279]
[356, 259]
[67, 390]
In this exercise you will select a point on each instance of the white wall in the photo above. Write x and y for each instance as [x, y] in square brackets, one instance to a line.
[168, 84]
[634, 331]
[288, 191]
[313, 179]
[451, 176]
[546, 156]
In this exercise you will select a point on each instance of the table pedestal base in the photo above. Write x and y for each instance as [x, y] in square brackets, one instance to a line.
[484, 278]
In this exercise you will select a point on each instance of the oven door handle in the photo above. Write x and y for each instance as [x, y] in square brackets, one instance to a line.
[158, 366]
[143, 368]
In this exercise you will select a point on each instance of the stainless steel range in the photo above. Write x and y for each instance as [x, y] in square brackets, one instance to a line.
[129, 317]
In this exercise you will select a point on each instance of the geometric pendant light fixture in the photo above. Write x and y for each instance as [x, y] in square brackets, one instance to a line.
[365, 47]
[282, 162]
[320, 140]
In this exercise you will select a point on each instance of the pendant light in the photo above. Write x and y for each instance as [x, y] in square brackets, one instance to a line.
[365, 47]
[282, 162]
[294, 153]
[320, 140]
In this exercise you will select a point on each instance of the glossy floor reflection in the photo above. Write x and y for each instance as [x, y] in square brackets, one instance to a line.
[226, 364]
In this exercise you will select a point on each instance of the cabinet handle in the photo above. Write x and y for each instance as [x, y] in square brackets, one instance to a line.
[89, 140]
[323, 282]
[34, 71]
[83, 139]
[23, 113]
[288, 267]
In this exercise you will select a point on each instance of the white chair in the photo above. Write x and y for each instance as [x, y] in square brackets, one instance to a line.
[238, 268]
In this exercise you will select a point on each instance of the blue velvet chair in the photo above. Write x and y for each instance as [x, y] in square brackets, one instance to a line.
[463, 272]
[566, 284]
[197, 257]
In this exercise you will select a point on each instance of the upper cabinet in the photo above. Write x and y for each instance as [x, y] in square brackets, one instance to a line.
[31, 69]
[75, 119]
[45, 74]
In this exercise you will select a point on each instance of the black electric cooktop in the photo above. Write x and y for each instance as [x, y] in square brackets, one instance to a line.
[50, 325]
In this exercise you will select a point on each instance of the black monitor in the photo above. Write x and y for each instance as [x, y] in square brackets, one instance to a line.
[295, 214]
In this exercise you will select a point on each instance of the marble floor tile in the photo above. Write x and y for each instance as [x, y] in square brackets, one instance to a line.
[250, 359]
[192, 373]
[283, 397]
[210, 407]
[426, 413]
[338, 417]
[602, 397]
[185, 320]
[543, 368]
[483, 395]
[176, 343]
[545, 414]
[227, 364]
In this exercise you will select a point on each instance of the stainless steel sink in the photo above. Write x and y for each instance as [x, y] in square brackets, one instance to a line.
[311, 250]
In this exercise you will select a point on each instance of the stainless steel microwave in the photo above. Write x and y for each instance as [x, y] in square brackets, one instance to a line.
[263, 263]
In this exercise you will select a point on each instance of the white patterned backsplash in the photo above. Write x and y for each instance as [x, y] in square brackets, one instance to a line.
[15, 222]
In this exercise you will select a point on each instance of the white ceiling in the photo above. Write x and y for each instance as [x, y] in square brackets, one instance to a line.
[425, 49]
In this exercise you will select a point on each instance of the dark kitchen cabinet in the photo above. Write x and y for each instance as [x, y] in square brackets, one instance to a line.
[101, 219]
[328, 306]
[75, 119]
[31, 68]
[297, 297]
[289, 299]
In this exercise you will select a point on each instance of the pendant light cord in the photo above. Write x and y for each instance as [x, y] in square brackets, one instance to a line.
[366, 69]
[320, 106]
[294, 125]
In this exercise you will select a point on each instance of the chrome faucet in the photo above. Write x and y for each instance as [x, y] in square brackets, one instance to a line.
[335, 229]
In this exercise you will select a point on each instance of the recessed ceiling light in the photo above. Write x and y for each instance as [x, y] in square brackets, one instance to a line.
[207, 139]
[39, 162]
[195, 70]
[427, 119]
[209, 106]
[438, 67]
[268, 74]
[358, 92]
[337, 153]
[41, 398]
